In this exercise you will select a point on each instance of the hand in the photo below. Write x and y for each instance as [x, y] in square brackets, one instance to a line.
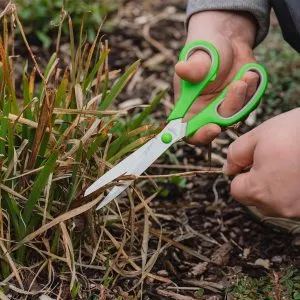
[233, 35]
[273, 150]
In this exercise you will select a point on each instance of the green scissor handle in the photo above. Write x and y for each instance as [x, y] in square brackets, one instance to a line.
[190, 92]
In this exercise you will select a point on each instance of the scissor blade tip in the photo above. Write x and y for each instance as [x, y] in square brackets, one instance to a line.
[102, 204]
[99, 207]
[110, 197]
[92, 188]
[87, 192]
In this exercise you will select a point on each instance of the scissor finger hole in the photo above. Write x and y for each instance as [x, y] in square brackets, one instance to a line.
[240, 94]
[253, 80]
[234, 100]
[200, 48]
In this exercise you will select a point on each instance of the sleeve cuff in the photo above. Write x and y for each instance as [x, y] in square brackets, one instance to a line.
[259, 9]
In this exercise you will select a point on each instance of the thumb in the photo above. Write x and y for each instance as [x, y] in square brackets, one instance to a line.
[195, 68]
[240, 153]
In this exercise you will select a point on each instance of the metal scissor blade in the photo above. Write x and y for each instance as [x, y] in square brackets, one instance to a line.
[148, 157]
[118, 170]
[115, 192]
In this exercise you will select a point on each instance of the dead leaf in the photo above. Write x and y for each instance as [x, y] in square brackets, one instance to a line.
[246, 253]
[199, 269]
[208, 285]
[263, 263]
[221, 256]
[45, 297]
[44, 122]
[172, 295]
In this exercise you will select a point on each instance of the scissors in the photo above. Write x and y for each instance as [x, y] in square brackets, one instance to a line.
[176, 128]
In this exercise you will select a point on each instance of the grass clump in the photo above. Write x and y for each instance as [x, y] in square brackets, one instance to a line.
[57, 135]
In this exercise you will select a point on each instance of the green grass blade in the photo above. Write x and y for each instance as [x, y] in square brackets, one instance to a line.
[74, 177]
[125, 138]
[147, 111]
[50, 64]
[132, 146]
[91, 53]
[61, 93]
[11, 142]
[95, 146]
[55, 241]
[14, 214]
[4, 269]
[105, 86]
[79, 55]
[38, 186]
[116, 145]
[119, 85]
[2, 94]
[27, 113]
[4, 126]
[73, 52]
[89, 79]
[48, 72]
[44, 147]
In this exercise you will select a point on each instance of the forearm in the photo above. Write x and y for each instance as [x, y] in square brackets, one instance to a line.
[258, 9]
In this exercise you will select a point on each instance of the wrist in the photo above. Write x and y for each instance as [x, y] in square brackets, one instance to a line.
[236, 26]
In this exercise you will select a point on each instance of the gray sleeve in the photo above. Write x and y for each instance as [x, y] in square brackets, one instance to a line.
[260, 9]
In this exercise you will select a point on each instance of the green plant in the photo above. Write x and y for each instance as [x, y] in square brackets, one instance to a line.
[286, 285]
[42, 17]
[57, 135]
[282, 63]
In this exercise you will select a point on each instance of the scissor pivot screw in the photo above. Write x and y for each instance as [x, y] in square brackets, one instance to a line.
[166, 138]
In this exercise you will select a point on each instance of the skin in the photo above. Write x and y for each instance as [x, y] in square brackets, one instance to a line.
[270, 152]
[235, 48]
